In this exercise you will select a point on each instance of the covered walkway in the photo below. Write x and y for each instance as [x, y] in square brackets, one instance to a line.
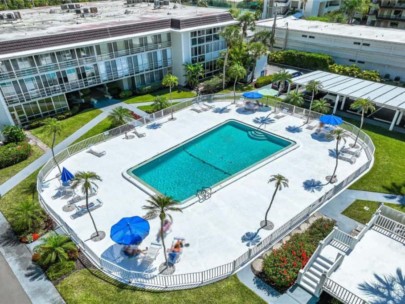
[343, 87]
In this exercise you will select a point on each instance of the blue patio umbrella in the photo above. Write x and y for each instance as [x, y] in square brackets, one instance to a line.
[66, 175]
[130, 231]
[331, 120]
[252, 95]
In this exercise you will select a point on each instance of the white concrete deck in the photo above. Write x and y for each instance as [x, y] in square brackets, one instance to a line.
[213, 228]
[370, 270]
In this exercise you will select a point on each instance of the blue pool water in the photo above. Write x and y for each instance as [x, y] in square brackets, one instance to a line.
[208, 159]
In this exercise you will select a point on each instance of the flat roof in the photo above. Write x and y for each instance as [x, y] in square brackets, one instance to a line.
[384, 95]
[338, 29]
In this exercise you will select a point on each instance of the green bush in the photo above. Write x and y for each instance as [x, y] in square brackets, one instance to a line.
[355, 71]
[305, 60]
[149, 88]
[14, 153]
[281, 267]
[212, 85]
[36, 123]
[263, 80]
[125, 94]
[13, 134]
[58, 270]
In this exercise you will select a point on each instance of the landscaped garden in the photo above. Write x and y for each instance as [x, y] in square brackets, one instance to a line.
[362, 210]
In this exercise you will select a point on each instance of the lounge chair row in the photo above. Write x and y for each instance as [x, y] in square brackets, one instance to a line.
[201, 107]
[77, 198]
[82, 210]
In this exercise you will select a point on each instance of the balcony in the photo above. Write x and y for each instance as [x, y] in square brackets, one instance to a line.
[391, 17]
[391, 4]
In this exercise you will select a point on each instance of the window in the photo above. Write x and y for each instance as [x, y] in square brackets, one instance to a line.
[305, 36]
[311, 37]
[352, 60]
[356, 43]
[366, 44]
[362, 62]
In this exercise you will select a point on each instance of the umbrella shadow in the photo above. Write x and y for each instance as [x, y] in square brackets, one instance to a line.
[221, 110]
[154, 126]
[313, 185]
[263, 120]
[293, 129]
[332, 153]
[321, 138]
[244, 111]
[251, 238]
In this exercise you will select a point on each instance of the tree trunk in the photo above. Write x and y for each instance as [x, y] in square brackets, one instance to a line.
[271, 203]
[361, 126]
[53, 152]
[224, 68]
[253, 72]
[310, 105]
[88, 210]
[337, 160]
[234, 90]
[170, 96]
[162, 218]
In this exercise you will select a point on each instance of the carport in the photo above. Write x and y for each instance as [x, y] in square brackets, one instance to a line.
[383, 95]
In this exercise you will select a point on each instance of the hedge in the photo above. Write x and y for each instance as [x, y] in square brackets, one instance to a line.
[58, 270]
[14, 153]
[263, 80]
[281, 267]
[305, 60]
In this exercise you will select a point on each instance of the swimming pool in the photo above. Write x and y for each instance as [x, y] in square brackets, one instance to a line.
[208, 159]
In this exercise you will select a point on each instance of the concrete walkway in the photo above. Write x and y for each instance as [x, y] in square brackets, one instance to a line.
[32, 281]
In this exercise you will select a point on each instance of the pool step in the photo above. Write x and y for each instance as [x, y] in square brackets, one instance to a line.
[258, 135]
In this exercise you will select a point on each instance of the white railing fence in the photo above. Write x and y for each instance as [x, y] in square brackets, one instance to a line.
[191, 280]
[341, 293]
[393, 228]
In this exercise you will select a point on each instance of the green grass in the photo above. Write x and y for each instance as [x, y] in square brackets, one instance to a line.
[149, 108]
[239, 88]
[387, 174]
[80, 288]
[9, 172]
[101, 127]
[357, 212]
[69, 126]
[176, 94]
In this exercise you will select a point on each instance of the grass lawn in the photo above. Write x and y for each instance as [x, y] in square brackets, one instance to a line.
[149, 108]
[240, 87]
[357, 212]
[69, 126]
[84, 287]
[387, 174]
[9, 172]
[101, 127]
[176, 94]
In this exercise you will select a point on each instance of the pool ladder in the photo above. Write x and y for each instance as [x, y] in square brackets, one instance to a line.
[204, 194]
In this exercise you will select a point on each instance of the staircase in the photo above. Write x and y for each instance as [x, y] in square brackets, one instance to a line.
[312, 276]
[256, 134]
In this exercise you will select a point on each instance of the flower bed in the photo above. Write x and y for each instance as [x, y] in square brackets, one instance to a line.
[281, 266]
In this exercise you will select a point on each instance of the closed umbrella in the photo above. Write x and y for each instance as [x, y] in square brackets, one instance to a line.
[130, 231]
[66, 176]
[331, 120]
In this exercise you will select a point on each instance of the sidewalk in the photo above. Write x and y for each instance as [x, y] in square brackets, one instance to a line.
[30, 277]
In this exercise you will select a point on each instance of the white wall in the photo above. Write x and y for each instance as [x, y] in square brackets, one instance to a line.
[5, 116]
[181, 53]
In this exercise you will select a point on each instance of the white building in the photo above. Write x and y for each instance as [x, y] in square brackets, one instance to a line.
[308, 8]
[382, 50]
[47, 54]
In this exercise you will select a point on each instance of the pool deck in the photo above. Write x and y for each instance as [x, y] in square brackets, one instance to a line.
[214, 227]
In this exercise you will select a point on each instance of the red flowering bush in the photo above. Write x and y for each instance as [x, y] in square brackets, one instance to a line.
[281, 267]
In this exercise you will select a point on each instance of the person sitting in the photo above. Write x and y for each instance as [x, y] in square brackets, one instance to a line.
[134, 251]
[177, 247]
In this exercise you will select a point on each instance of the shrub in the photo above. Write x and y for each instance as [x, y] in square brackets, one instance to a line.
[36, 123]
[58, 270]
[14, 153]
[263, 80]
[125, 94]
[355, 71]
[13, 134]
[281, 267]
[27, 217]
[149, 88]
[305, 60]
[212, 85]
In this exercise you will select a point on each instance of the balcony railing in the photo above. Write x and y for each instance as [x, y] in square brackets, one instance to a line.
[391, 17]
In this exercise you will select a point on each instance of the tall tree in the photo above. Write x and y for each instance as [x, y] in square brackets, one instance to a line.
[295, 99]
[160, 205]
[365, 106]
[170, 81]
[321, 106]
[263, 37]
[281, 78]
[338, 134]
[351, 7]
[313, 86]
[231, 35]
[85, 180]
[247, 22]
[256, 50]
[159, 103]
[236, 72]
[120, 116]
[53, 128]
[193, 73]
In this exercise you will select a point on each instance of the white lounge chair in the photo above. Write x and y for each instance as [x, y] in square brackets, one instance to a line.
[195, 109]
[96, 153]
[152, 253]
[352, 150]
[208, 105]
[82, 210]
[139, 135]
[202, 107]
[347, 157]
[312, 125]
[78, 198]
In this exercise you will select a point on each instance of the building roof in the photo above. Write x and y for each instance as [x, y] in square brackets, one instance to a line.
[39, 28]
[383, 95]
[338, 29]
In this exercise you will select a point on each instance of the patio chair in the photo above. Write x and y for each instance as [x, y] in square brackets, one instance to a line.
[82, 210]
[139, 135]
[152, 252]
[208, 105]
[202, 107]
[195, 109]
[279, 115]
[96, 153]
[240, 103]
[352, 150]
[347, 157]
[78, 198]
[312, 125]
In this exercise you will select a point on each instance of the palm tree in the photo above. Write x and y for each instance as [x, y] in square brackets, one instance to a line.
[31, 189]
[247, 21]
[85, 180]
[295, 99]
[321, 106]
[53, 127]
[351, 7]
[120, 116]
[280, 182]
[281, 78]
[313, 86]
[256, 50]
[55, 249]
[235, 12]
[231, 35]
[170, 81]
[236, 72]
[263, 37]
[159, 103]
[338, 134]
[193, 73]
[159, 205]
[27, 216]
[365, 106]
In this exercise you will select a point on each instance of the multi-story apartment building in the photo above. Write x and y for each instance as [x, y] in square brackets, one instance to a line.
[387, 13]
[46, 57]
[381, 50]
[307, 7]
